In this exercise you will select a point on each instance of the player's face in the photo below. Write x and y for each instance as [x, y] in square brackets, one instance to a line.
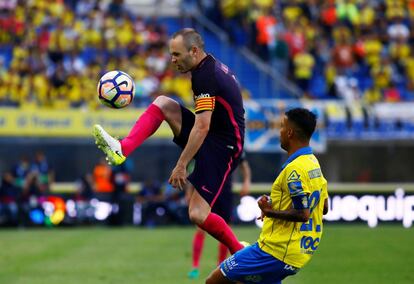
[284, 133]
[182, 58]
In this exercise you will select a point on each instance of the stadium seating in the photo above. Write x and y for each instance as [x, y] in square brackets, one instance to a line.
[21, 51]
[367, 39]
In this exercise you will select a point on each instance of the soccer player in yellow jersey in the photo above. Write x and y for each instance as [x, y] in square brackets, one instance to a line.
[292, 214]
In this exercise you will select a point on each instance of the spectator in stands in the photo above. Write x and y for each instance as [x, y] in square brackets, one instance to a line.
[295, 39]
[266, 30]
[116, 8]
[372, 48]
[303, 67]
[381, 73]
[372, 95]
[85, 192]
[176, 205]
[102, 175]
[9, 93]
[328, 16]
[157, 60]
[84, 188]
[32, 190]
[347, 12]
[343, 55]
[149, 198]
[409, 70]
[121, 179]
[347, 89]
[32, 196]
[178, 86]
[397, 30]
[9, 200]
[280, 55]
[399, 51]
[392, 94]
[291, 11]
[330, 78]
[121, 176]
[21, 172]
[367, 17]
[41, 168]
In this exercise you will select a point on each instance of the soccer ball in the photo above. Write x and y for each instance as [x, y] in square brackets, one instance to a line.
[116, 89]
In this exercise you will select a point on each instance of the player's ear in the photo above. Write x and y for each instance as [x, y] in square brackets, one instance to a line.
[193, 50]
[290, 132]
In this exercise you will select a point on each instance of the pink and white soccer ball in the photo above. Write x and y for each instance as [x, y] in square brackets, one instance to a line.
[116, 89]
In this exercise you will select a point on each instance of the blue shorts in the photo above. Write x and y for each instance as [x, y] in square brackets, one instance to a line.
[214, 163]
[252, 265]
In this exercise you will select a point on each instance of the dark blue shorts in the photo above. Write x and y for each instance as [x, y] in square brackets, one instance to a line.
[224, 203]
[214, 164]
[252, 265]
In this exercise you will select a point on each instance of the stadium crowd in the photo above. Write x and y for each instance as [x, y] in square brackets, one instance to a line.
[51, 52]
[354, 50]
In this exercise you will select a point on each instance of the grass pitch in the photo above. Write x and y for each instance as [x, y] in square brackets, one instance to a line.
[347, 254]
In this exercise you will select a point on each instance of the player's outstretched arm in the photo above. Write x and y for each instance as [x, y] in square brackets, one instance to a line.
[293, 215]
[325, 207]
[198, 133]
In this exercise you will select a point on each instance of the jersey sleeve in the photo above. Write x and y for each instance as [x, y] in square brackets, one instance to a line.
[205, 103]
[298, 188]
[324, 193]
[205, 93]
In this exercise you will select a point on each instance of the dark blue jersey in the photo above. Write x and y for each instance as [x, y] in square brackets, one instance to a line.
[216, 89]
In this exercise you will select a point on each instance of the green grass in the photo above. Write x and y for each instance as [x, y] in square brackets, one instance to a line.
[347, 254]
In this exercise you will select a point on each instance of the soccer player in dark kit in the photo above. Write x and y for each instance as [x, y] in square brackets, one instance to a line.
[213, 136]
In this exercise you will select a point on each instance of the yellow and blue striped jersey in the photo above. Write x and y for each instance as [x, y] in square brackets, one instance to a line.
[294, 242]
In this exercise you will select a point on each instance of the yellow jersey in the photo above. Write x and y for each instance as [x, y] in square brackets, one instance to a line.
[295, 242]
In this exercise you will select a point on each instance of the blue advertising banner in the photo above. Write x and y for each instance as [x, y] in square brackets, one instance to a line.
[263, 124]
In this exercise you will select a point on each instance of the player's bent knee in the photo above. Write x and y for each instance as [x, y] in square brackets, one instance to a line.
[169, 107]
[196, 217]
[164, 102]
[210, 278]
[216, 277]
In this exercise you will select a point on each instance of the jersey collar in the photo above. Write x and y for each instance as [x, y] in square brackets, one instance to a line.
[300, 152]
[201, 63]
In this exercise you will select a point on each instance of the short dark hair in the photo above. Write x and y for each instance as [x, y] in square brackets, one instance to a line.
[190, 37]
[304, 120]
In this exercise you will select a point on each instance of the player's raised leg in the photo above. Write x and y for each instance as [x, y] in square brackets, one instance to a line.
[200, 214]
[163, 108]
[198, 243]
[109, 145]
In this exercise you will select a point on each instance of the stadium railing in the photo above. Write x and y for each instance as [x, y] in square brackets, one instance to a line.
[263, 188]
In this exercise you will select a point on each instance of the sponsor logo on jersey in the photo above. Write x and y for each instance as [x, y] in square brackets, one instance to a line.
[293, 176]
[206, 189]
[315, 173]
[295, 188]
[305, 202]
[202, 95]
